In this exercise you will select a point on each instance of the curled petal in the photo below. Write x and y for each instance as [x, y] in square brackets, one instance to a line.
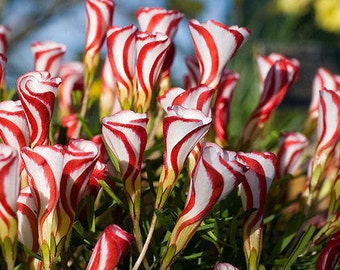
[37, 92]
[330, 255]
[151, 52]
[110, 248]
[9, 191]
[99, 15]
[27, 220]
[262, 171]
[155, 19]
[225, 93]
[121, 51]
[4, 32]
[280, 77]
[323, 79]
[215, 44]
[13, 125]
[215, 175]
[198, 98]
[44, 165]
[48, 56]
[182, 129]
[291, 147]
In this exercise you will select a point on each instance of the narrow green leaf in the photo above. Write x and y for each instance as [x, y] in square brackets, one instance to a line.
[110, 192]
[300, 247]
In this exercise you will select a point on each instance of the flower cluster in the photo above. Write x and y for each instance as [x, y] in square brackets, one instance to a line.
[131, 177]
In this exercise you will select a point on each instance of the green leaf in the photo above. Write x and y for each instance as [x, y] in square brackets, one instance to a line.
[289, 234]
[300, 247]
[110, 192]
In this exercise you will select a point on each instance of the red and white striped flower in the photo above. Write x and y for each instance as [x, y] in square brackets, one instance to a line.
[27, 219]
[110, 248]
[198, 98]
[192, 79]
[156, 19]
[182, 130]
[3, 61]
[121, 52]
[80, 158]
[215, 44]
[99, 16]
[44, 165]
[9, 193]
[109, 103]
[215, 175]
[37, 92]
[330, 255]
[225, 93]
[48, 56]
[125, 135]
[328, 134]
[291, 148]
[4, 32]
[262, 171]
[151, 52]
[13, 124]
[72, 76]
[323, 79]
[280, 77]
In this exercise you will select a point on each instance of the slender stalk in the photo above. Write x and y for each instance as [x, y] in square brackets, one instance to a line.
[139, 241]
[147, 242]
[83, 109]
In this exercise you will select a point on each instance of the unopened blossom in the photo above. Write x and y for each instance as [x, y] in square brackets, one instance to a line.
[27, 219]
[37, 91]
[44, 166]
[215, 175]
[99, 16]
[156, 19]
[4, 33]
[192, 78]
[72, 76]
[291, 150]
[262, 169]
[182, 130]
[328, 135]
[151, 51]
[225, 93]
[330, 255]
[48, 56]
[111, 247]
[215, 44]
[13, 124]
[281, 75]
[109, 102]
[121, 52]
[323, 79]
[198, 98]
[125, 135]
[79, 161]
[9, 193]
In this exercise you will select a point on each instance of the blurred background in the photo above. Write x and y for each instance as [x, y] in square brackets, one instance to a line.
[308, 30]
